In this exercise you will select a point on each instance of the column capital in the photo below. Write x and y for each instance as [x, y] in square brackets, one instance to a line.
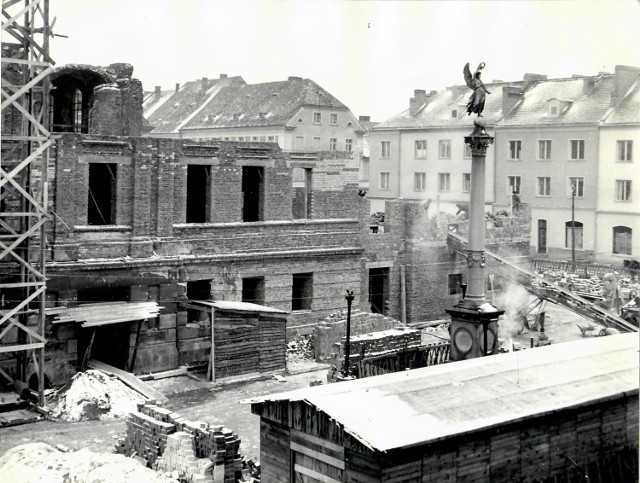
[479, 140]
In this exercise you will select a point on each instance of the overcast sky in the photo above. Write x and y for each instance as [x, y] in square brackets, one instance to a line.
[371, 55]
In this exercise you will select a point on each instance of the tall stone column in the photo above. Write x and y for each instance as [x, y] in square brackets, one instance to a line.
[474, 322]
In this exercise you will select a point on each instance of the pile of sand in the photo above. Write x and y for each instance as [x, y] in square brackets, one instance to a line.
[93, 395]
[42, 463]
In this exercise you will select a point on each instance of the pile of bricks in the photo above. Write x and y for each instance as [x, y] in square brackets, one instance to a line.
[193, 452]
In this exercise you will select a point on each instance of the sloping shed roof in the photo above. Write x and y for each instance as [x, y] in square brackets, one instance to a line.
[266, 104]
[238, 306]
[589, 99]
[91, 315]
[628, 109]
[438, 111]
[434, 403]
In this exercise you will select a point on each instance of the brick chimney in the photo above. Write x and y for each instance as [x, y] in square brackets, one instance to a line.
[510, 97]
[418, 100]
[364, 118]
[532, 78]
[177, 86]
[205, 84]
[158, 91]
[625, 77]
[224, 76]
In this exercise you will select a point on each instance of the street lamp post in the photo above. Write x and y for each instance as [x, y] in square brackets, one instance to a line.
[573, 226]
[347, 348]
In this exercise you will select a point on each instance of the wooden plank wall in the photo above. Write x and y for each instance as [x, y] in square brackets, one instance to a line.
[600, 441]
[237, 339]
[273, 344]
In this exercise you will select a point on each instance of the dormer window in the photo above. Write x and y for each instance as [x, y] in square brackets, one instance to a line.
[553, 110]
[454, 113]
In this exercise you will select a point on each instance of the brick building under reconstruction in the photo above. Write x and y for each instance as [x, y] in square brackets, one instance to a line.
[156, 223]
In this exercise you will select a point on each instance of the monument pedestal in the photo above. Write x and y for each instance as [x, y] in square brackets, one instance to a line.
[473, 328]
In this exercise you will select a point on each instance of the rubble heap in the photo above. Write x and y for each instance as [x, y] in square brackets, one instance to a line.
[93, 395]
[188, 451]
[41, 462]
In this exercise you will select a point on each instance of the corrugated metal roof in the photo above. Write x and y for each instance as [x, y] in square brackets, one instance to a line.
[425, 405]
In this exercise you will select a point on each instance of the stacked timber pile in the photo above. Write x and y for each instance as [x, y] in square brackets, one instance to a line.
[374, 344]
[190, 451]
[333, 328]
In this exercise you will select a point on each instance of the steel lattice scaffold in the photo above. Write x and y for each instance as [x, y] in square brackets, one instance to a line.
[26, 139]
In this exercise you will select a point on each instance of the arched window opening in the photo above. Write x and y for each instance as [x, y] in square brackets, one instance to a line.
[571, 232]
[622, 240]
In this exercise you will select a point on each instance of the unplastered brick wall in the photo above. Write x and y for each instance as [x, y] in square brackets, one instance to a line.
[332, 329]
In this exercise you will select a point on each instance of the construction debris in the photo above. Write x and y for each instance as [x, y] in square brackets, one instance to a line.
[93, 395]
[42, 463]
[188, 451]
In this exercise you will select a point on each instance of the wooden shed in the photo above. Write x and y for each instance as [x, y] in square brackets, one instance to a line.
[546, 414]
[246, 338]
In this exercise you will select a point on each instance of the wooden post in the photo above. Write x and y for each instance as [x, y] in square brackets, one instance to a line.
[87, 353]
[211, 371]
[403, 294]
[135, 346]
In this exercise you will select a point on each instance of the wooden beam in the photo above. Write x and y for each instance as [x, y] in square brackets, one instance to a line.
[87, 352]
[21, 347]
[325, 458]
[314, 474]
[211, 370]
[135, 346]
[25, 88]
[8, 60]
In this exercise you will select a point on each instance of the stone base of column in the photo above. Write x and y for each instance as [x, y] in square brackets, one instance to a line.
[472, 328]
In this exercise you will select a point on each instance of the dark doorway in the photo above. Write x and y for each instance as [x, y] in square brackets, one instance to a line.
[102, 194]
[542, 236]
[252, 193]
[253, 290]
[111, 342]
[198, 193]
[379, 290]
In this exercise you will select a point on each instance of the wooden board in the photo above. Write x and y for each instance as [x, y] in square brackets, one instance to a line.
[129, 379]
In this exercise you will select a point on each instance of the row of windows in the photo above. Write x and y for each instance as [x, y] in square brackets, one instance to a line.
[317, 118]
[420, 181]
[316, 145]
[420, 149]
[624, 150]
[575, 187]
[270, 139]
[574, 237]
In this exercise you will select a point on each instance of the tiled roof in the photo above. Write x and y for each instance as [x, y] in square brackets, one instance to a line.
[628, 109]
[583, 100]
[169, 116]
[438, 112]
[267, 104]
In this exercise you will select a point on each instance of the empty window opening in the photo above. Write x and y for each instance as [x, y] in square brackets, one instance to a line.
[102, 193]
[573, 235]
[252, 193]
[379, 290]
[199, 290]
[302, 291]
[622, 240]
[542, 236]
[302, 194]
[198, 193]
[253, 290]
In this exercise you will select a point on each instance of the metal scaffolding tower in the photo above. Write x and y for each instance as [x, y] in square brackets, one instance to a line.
[26, 139]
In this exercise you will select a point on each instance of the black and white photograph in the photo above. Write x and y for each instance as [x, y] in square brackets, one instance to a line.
[320, 241]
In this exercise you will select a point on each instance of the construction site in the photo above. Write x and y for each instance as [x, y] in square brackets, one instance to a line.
[183, 310]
